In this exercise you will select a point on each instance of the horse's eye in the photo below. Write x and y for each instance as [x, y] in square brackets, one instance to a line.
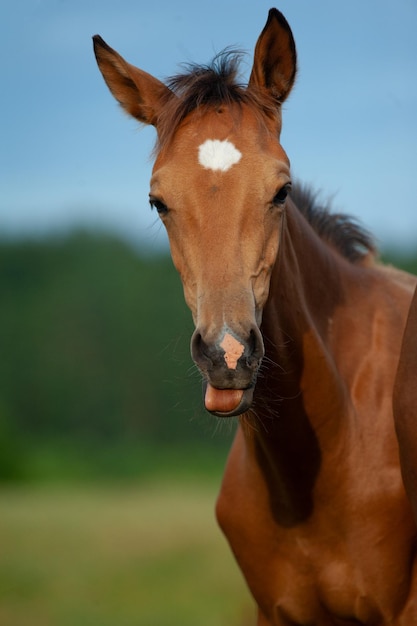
[282, 194]
[158, 205]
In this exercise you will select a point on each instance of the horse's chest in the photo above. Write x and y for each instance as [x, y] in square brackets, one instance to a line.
[343, 564]
[299, 581]
[298, 585]
[302, 577]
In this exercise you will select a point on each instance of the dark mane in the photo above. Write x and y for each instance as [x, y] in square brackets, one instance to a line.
[341, 231]
[209, 86]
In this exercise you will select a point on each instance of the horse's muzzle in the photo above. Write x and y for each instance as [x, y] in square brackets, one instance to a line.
[229, 365]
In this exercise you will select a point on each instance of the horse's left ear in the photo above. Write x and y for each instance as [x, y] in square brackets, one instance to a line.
[275, 59]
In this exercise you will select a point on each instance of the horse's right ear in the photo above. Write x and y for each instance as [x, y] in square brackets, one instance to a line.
[139, 93]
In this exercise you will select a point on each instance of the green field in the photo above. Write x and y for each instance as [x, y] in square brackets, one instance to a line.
[148, 555]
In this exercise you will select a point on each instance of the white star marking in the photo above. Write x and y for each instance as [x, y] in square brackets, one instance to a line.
[218, 155]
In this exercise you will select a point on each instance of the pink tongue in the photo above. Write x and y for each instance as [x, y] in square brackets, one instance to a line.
[222, 400]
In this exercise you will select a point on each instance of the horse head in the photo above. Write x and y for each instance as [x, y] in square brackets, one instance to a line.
[219, 184]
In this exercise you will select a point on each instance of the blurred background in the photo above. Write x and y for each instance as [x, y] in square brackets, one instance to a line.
[109, 467]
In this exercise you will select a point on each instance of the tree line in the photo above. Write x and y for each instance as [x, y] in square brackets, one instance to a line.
[94, 343]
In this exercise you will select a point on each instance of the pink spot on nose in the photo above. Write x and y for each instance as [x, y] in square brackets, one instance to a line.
[233, 350]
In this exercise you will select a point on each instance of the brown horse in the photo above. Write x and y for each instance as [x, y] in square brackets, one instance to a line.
[405, 405]
[297, 331]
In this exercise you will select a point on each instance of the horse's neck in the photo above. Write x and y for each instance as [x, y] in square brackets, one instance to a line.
[308, 283]
[296, 428]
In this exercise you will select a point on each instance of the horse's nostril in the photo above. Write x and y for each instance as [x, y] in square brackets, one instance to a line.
[256, 349]
[200, 351]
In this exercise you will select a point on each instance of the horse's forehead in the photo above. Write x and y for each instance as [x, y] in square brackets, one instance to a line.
[220, 142]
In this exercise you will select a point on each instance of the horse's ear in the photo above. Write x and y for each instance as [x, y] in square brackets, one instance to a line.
[275, 59]
[139, 93]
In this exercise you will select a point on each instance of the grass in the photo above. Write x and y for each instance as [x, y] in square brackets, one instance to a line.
[133, 555]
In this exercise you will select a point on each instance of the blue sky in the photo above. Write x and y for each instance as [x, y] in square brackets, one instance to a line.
[68, 156]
